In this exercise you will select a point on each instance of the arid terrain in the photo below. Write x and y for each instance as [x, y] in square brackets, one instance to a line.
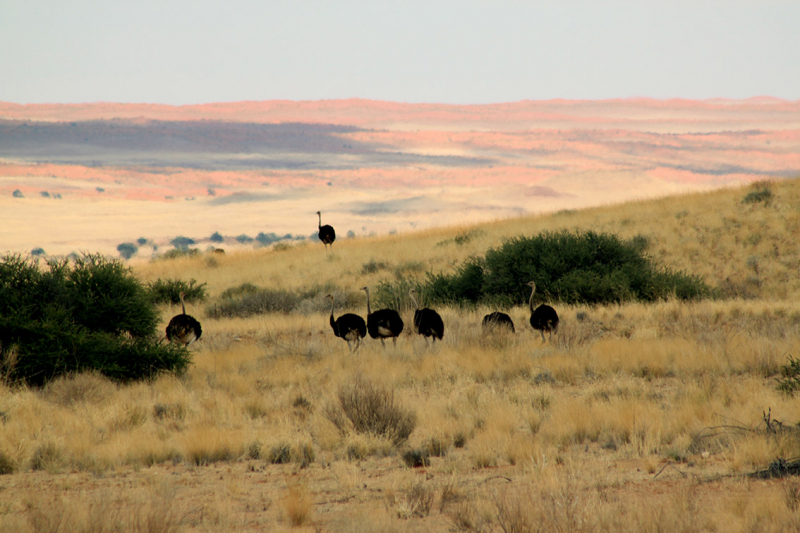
[635, 417]
[90, 177]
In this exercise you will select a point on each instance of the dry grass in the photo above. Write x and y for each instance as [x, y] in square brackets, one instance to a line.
[520, 435]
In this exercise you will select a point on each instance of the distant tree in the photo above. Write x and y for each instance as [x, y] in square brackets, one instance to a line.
[244, 238]
[100, 189]
[181, 243]
[211, 192]
[44, 194]
[141, 241]
[216, 237]
[265, 239]
[18, 194]
[38, 251]
[351, 234]
[127, 250]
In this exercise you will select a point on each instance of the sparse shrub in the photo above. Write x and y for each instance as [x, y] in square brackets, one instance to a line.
[127, 250]
[7, 465]
[92, 314]
[371, 409]
[18, 194]
[86, 387]
[762, 193]
[100, 189]
[248, 300]
[351, 234]
[181, 243]
[789, 380]
[280, 454]
[416, 458]
[416, 501]
[372, 266]
[216, 237]
[48, 457]
[44, 194]
[581, 267]
[179, 252]
[169, 291]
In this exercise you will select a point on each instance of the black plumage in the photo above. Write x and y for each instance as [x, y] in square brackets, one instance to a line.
[427, 322]
[543, 318]
[383, 323]
[348, 326]
[498, 321]
[326, 233]
[183, 329]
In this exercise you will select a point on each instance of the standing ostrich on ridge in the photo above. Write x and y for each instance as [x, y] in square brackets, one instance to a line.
[543, 318]
[427, 322]
[349, 327]
[326, 233]
[383, 323]
[183, 329]
[497, 321]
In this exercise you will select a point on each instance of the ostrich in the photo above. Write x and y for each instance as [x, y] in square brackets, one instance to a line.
[383, 323]
[427, 322]
[497, 321]
[349, 327]
[326, 233]
[543, 318]
[183, 329]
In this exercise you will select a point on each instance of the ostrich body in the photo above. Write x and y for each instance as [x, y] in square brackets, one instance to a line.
[183, 329]
[497, 321]
[543, 318]
[427, 322]
[348, 326]
[383, 323]
[326, 233]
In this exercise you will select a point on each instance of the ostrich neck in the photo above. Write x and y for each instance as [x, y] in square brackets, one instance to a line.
[368, 311]
[416, 305]
[333, 304]
[530, 301]
[183, 306]
[320, 220]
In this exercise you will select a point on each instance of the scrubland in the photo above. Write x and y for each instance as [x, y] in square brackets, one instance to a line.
[635, 417]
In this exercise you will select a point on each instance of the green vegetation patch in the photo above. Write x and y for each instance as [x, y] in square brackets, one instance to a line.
[581, 267]
[91, 314]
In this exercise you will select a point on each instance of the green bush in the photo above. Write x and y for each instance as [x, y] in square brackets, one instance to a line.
[169, 291]
[38, 251]
[92, 314]
[574, 268]
[789, 380]
[216, 237]
[244, 239]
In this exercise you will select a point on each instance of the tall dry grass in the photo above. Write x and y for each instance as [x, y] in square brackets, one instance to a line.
[629, 384]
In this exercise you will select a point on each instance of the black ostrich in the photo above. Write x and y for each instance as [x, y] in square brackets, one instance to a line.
[543, 318]
[497, 321]
[383, 323]
[326, 233]
[427, 322]
[183, 329]
[349, 327]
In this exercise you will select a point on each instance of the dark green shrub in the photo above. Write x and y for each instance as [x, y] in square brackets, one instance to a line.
[181, 243]
[18, 194]
[216, 237]
[169, 291]
[90, 314]
[762, 193]
[265, 239]
[127, 250]
[44, 194]
[141, 241]
[244, 239]
[38, 251]
[580, 267]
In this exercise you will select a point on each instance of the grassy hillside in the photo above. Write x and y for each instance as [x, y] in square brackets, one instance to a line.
[635, 417]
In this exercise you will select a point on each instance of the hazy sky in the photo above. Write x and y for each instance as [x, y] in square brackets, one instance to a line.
[460, 51]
